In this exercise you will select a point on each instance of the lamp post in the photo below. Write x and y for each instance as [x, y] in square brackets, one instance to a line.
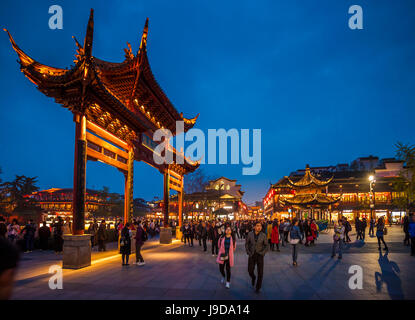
[372, 196]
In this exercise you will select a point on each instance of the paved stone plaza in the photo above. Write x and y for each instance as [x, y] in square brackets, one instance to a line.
[179, 272]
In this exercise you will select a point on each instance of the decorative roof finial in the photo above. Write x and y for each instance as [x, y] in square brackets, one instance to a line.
[143, 43]
[89, 35]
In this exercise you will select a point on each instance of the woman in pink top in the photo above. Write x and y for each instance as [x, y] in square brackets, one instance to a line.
[227, 246]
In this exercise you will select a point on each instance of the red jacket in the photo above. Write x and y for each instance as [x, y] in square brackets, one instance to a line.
[313, 229]
[275, 235]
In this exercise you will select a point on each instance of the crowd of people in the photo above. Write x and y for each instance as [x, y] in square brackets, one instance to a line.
[259, 236]
[263, 236]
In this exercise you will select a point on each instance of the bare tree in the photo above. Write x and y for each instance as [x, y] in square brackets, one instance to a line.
[196, 181]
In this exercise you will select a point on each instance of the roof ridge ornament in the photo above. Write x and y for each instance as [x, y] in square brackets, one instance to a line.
[89, 35]
[79, 52]
[189, 121]
[129, 52]
[143, 43]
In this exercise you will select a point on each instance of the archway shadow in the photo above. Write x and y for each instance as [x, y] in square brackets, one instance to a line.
[389, 276]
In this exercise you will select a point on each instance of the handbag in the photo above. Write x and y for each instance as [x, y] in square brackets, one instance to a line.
[385, 231]
[224, 257]
[294, 241]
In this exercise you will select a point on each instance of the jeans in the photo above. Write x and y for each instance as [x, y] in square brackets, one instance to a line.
[340, 243]
[380, 238]
[371, 230]
[30, 241]
[295, 252]
[228, 270]
[282, 238]
[204, 244]
[256, 260]
[347, 238]
[138, 256]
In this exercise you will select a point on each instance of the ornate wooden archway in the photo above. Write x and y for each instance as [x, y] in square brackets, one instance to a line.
[117, 107]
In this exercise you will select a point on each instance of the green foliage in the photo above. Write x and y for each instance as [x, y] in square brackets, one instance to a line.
[13, 193]
[406, 181]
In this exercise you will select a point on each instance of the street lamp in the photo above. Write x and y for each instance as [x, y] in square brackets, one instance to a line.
[372, 196]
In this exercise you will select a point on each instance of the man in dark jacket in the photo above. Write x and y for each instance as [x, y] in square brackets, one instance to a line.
[199, 233]
[29, 235]
[256, 246]
[140, 238]
[405, 224]
[358, 227]
[203, 235]
[372, 227]
[44, 234]
[363, 227]
[102, 236]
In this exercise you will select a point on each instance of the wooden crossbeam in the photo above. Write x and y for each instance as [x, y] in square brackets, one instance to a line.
[108, 160]
[175, 174]
[106, 135]
[106, 145]
[175, 181]
[174, 187]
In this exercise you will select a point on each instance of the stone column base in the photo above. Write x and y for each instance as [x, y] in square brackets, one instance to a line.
[165, 235]
[76, 251]
[178, 233]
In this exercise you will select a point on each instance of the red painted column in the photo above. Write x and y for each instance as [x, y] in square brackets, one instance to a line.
[166, 198]
[79, 177]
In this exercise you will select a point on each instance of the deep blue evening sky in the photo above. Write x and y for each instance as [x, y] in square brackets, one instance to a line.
[321, 93]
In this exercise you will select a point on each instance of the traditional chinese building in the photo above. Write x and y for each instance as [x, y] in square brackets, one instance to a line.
[222, 198]
[59, 200]
[349, 185]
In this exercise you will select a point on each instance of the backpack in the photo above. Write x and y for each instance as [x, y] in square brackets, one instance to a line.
[411, 229]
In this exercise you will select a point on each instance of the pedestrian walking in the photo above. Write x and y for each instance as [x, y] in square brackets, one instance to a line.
[29, 235]
[58, 236]
[125, 244]
[204, 235]
[227, 247]
[275, 236]
[256, 246]
[338, 237]
[381, 232]
[269, 233]
[372, 223]
[363, 227]
[347, 229]
[102, 236]
[13, 231]
[92, 230]
[281, 233]
[140, 238]
[405, 225]
[294, 239]
[44, 234]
